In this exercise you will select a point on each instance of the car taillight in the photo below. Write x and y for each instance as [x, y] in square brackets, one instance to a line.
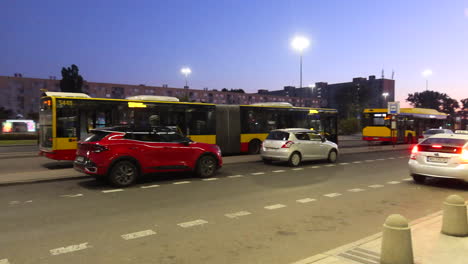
[98, 148]
[464, 156]
[413, 152]
[288, 144]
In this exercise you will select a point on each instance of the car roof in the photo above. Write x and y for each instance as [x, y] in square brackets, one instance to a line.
[295, 130]
[457, 136]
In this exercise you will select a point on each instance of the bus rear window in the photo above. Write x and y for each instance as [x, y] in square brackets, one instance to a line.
[96, 136]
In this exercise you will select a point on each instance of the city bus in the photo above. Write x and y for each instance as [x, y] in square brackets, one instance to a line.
[66, 118]
[410, 124]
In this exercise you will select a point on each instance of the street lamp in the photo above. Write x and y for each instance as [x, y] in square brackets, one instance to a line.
[385, 96]
[426, 73]
[186, 71]
[300, 44]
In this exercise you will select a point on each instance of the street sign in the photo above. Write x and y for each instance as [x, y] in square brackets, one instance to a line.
[393, 107]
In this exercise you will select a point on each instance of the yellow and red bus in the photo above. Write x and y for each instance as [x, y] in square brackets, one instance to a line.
[66, 118]
[410, 124]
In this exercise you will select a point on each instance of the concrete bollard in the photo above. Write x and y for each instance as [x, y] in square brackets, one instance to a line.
[396, 241]
[455, 222]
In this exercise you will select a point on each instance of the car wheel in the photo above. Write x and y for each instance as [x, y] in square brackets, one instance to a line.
[254, 146]
[295, 159]
[418, 178]
[206, 166]
[267, 161]
[124, 173]
[332, 156]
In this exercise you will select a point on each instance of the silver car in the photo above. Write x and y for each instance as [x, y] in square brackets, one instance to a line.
[441, 156]
[295, 145]
[434, 131]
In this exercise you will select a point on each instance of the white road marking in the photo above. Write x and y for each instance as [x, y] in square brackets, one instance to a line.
[314, 167]
[193, 223]
[4, 261]
[69, 249]
[14, 202]
[393, 182]
[402, 157]
[278, 171]
[237, 214]
[391, 158]
[274, 206]
[356, 190]
[356, 162]
[331, 195]
[138, 234]
[407, 179]
[210, 179]
[330, 165]
[114, 190]
[369, 160]
[235, 176]
[306, 200]
[29, 201]
[181, 182]
[344, 163]
[72, 195]
[257, 173]
[376, 186]
[296, 169]
[380, 159]
[149, 186]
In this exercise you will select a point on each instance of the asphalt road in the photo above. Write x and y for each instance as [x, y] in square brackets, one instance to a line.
[249, 213]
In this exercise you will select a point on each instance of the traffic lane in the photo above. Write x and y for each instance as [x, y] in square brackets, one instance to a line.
[300, 229]
[36, 191]
[19, 148]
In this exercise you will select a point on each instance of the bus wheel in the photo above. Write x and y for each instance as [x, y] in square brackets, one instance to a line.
[124, 173]
[410, 139]
[254, 146]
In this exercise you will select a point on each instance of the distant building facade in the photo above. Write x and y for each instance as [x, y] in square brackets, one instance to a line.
[22, 95]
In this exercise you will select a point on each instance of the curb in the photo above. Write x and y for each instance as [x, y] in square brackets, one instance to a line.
[41, 180]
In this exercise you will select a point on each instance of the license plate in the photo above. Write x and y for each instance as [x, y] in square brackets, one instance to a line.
[437, 159]
[80, 159]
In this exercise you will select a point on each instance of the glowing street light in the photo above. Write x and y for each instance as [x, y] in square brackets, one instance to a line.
[300, 44]
[186, 71]
[385, 96]
[426, 74]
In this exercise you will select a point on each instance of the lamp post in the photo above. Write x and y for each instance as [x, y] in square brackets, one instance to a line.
[300, 44]
[186, 71]
[426, 73]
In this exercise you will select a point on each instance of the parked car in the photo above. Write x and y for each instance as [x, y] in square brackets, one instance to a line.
[441, 156]
[295, 145]
[434, 131]
[122, 155]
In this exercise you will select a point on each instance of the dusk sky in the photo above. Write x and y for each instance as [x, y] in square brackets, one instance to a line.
[239, 44]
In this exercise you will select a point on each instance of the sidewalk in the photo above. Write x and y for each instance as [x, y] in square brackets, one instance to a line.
[429, 247]
[70, 173]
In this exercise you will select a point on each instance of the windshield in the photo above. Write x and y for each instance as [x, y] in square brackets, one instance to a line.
[452, 142]
[437, 131]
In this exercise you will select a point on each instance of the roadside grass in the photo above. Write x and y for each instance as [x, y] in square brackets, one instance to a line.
[18, 142]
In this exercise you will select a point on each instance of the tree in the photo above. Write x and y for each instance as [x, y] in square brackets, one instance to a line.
[224, 90]
[433, 100]
[464, 103]
[71, 80]
[5, 113]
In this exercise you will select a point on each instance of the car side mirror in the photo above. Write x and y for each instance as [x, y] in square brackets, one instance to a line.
[185, 141]
[323, 138]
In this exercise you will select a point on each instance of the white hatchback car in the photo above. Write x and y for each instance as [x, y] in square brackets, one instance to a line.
[297, 144]
[434, 131]
[441, 156]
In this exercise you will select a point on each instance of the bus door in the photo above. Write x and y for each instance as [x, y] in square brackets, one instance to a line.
[401, 128]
